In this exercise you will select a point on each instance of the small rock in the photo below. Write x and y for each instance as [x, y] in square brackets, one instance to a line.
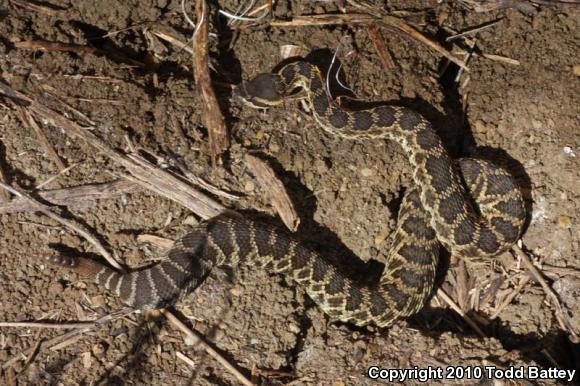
[99, 350]
[366, 172]
[190, 340]
[190, 220]
[249, 186]
[479, 127]
[320, 166]
[568, 288]
[577, 70]
[565, 222]
[293, 328]
[87, 360]
[274, 147]
[98, 300]
[381, 237]
[236, 291]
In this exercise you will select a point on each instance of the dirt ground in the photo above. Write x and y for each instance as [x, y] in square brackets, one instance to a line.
[523, 109]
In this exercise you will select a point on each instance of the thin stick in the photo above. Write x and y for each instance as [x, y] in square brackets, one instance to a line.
[57, 326]
[68, 335]
[275, 190]
[474, 30]
[381, 47]
[385, 20]
[456, 308]
[561, 316]
[83, 195]
[523, 281]
[176, 42]
[4, 195]
[185, 359]
[219, 140]
[44, 142]
[54, 177]
[141, 171]
[210, 350]
[68, 223]
[503, 59]
[36, 7]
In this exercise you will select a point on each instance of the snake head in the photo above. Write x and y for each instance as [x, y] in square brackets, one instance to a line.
[264, 91]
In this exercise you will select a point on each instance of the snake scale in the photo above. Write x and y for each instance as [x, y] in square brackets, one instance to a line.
[471, 206]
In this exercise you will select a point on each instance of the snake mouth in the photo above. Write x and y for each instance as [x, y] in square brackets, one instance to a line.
[261, 92]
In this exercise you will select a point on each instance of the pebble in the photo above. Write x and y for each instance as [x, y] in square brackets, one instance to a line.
[98, 300]
[274, 147]
[320, 166]
[236, 291]
[381, 237]
[249, 186]
[190, 220]
[293, 328]
[366, 172]
[479, 127]
[565, 222]
[99, 350]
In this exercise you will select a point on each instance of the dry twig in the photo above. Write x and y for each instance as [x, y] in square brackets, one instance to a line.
[80, 229]
[52, 10]
[83, 195]
[384, 20]
[71, 334]
[275, 190]
[210, 350]
[508, 299]
[57, 326]
[443, 295]
[141, 171]
[379, 43]
[27, 119]
[218, 134]
[561, 314]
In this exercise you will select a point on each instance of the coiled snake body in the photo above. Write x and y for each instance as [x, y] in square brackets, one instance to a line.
[476, 213]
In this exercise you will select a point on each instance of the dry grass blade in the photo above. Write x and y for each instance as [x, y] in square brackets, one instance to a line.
[83, 195]
[214, 120]
[57, 326]
[69, 335]
[144, 173]
[27, 119]
[49, 10]
[384, 20]
[172, 187]
[210, 350]
[80, 229]
[508, 299]
[275, 190]
[443, 295]
[473, 30]
[176, 42]
[4, 195]
[379, 43]
[503, 59]
[561, 314]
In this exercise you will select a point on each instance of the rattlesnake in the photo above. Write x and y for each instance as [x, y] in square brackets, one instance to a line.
[481, 221]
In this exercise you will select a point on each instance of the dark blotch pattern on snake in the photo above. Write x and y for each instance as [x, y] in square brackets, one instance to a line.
[471, 207]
